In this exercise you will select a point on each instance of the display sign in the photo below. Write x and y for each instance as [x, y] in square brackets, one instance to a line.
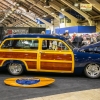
[17, 30]
[86, 7]
[29, 81]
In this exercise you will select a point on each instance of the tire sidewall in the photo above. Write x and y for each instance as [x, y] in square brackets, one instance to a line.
[86, 74]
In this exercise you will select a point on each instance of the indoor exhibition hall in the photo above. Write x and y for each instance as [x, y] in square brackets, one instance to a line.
[49, 49]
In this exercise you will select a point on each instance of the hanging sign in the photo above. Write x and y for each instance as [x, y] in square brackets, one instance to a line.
[86, 7]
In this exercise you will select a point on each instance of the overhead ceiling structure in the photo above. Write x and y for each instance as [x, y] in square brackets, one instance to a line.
[94, 3]
[14, 13]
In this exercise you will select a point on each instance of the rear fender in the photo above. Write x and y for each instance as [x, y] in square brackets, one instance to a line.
[7, 62]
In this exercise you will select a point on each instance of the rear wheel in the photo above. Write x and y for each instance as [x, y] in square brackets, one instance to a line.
[92, 70]
[15, 68]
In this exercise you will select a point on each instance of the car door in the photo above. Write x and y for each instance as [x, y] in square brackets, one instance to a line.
[56, 56]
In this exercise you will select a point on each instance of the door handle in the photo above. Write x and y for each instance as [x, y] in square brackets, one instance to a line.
[42, 52]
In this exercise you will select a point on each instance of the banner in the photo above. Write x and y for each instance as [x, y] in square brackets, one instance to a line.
[16, 30]
[86, 7]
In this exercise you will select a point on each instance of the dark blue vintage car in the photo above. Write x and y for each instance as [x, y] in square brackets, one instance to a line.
[88, 58]
[48, 53]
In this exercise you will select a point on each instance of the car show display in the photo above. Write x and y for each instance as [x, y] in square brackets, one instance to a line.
[48, 53]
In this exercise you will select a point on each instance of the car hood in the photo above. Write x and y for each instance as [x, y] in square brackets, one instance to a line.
[90, 46]
[76, 50]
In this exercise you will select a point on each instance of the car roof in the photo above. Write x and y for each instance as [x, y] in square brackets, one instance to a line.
[34, 36]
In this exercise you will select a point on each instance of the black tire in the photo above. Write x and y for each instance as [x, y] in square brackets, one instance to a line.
[92, 70]
[15, 69]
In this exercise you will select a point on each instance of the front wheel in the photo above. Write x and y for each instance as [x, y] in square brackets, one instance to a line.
[92, 70]
[15, 68]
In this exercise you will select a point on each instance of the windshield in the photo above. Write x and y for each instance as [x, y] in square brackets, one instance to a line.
[70, 44]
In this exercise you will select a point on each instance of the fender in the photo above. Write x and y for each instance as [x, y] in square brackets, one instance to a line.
[13, 61]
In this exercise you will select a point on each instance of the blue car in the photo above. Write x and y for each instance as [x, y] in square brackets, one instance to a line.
[88, 58]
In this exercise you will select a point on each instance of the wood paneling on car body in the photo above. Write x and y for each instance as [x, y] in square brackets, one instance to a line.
[22, 55]
[48, 56]
[31, 64]
[56, 66]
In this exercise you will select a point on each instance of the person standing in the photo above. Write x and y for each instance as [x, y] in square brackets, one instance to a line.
[66, 35]
[93, 39]
[98, 37]
[80, 39]
[43, 32]
[77, 41]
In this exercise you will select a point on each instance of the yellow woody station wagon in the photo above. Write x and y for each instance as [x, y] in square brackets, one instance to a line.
[45, 53]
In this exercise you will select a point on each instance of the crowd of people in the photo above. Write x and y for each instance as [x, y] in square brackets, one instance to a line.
[79, 40]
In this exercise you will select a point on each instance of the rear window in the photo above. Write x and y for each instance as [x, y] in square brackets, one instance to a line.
[20, 44]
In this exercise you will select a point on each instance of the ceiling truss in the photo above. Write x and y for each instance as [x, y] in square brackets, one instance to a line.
[26, 12]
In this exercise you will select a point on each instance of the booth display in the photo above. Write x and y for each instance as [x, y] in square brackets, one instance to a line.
[76, 29]
[48, 53]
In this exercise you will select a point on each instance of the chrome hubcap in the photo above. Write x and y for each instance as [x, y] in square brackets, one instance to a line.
[15, 68]
[93, 70]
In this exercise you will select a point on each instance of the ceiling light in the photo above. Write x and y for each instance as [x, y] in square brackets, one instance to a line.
[76, 4]
[6, 16]
[38, 18]
[10, 12]
[22, 9]
[17, 4]
[47, 5]
[62, 9]
[44, 15]
[52, 13]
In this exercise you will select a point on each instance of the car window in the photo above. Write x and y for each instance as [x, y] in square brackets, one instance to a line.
[69, 43]
[97, 50]
[53, 45]
[7, 44]
[20, 44]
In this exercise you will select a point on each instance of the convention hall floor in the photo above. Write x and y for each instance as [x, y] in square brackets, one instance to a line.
[93, 94]
[65, 87]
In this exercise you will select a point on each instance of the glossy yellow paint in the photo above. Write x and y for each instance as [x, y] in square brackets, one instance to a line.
[39, 51]
[44, 81]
